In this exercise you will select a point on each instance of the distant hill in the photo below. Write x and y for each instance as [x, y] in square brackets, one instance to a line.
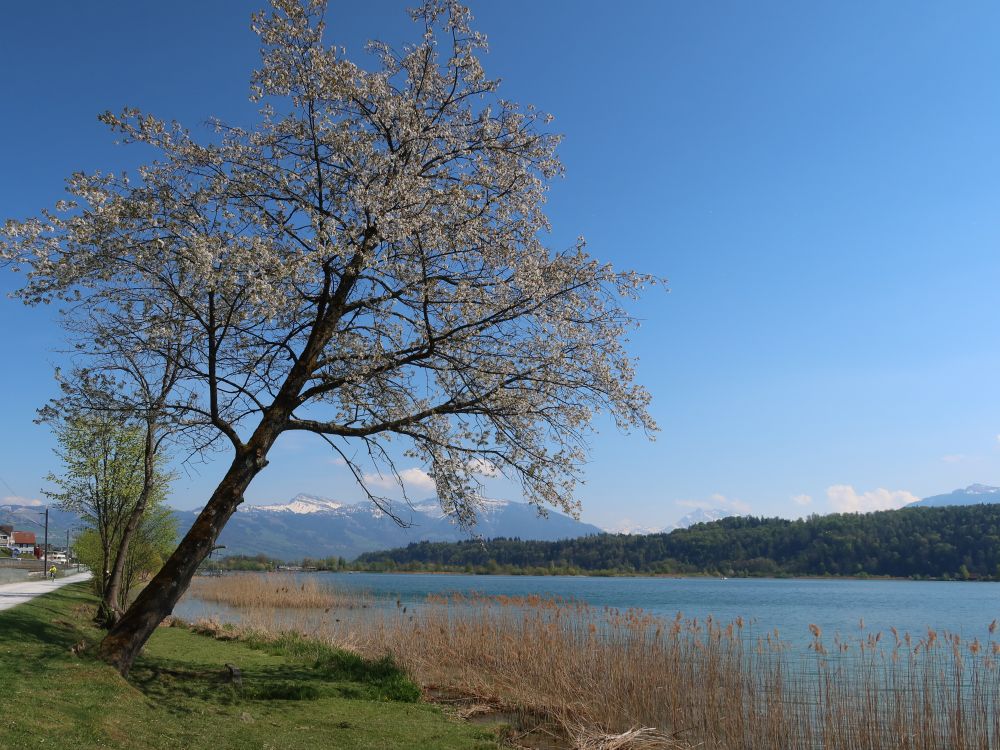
[974, 494]
[309, 526]
[931, 542]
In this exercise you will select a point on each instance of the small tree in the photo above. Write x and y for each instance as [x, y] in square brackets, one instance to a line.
[88, 550]
[365, 264]
[128, 365]
[155, 538]
[152, 543]
[104, 481]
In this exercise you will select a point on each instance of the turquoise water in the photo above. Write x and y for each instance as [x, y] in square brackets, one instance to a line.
[836, 606]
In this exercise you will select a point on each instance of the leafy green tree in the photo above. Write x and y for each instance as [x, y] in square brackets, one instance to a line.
[88, 549]
[944, 542]
[154, 540]
[105, 480]
[152, 543]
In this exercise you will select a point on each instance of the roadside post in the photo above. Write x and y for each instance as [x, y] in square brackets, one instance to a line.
[45, 549]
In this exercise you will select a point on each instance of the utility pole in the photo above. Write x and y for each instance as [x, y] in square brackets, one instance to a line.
[45, 569]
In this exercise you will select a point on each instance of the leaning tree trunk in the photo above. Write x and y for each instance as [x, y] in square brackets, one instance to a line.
[111, 608]
[122, 644]
[157, 600]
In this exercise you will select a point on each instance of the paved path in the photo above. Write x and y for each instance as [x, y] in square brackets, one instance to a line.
[12, 594]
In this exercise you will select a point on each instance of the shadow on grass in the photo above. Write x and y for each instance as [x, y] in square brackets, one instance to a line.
[174, 685]
[44, 621]
[376, 679]
[179, 680]
[179, 686]
[380, 679]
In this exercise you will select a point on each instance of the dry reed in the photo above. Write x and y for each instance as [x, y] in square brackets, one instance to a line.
[613, 679]
[276, 591]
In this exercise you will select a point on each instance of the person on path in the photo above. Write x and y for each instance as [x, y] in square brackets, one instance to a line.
[52, 572]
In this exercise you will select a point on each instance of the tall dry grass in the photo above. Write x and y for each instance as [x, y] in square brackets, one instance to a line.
[612, 678]
[253, 591]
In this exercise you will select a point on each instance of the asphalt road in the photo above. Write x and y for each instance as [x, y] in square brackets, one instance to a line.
[12, 594]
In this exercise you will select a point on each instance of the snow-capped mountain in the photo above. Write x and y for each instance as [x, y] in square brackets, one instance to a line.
[299, 504]
[627, 527]
[699, 515]
[311, 526]
[974, 494]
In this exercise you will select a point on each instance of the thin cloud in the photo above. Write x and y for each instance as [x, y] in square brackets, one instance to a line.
[483, 468]
[716, 502]
[34, 502]
[845, 499]
[802, 499]
[413, 479]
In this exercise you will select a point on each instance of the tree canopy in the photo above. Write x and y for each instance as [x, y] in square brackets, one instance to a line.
[367, 262]
[948, 542]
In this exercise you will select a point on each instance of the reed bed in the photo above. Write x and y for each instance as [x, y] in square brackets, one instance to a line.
[628, 680]
[252, 591]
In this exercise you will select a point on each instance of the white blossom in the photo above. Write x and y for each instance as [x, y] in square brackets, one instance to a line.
[367, 262]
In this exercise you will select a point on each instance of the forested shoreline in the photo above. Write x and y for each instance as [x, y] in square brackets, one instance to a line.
[956, 542]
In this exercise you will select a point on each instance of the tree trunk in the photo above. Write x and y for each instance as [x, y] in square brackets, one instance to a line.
[111, 607]
[107, 610]
[104, 614]
[123, 643]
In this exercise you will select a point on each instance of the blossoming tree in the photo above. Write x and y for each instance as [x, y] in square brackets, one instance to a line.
[367, 263]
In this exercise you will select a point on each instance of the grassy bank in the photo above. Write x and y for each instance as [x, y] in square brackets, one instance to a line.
[294, 693]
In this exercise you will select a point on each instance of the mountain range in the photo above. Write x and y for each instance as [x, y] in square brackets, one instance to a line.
[32, 518]
[698, 515]
[310, 526]
[318, 527]
[974, 494]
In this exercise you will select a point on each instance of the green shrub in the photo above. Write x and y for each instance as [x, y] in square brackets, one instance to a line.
[380, 679]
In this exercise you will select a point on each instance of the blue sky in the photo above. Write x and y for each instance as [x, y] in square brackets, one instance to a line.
[818, 182]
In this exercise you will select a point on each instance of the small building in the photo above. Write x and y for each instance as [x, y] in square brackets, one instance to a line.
[5, 534]
[24, 542]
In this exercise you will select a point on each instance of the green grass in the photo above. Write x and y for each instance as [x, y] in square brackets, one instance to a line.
[295, 693]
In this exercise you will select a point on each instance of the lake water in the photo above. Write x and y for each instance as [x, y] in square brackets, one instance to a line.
[837, 606]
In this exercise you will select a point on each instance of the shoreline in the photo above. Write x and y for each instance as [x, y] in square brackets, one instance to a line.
[672, 576]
